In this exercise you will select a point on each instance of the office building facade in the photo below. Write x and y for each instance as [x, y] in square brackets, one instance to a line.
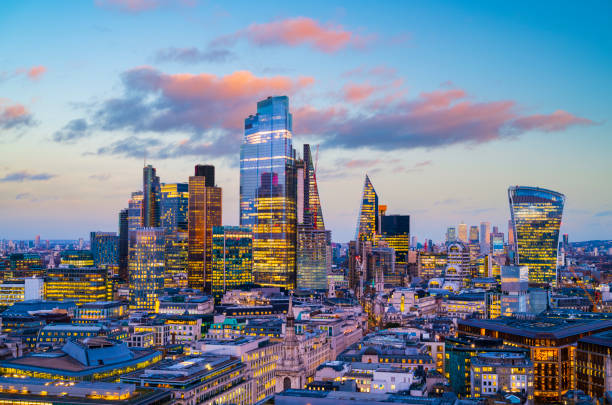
[146, 268]
[536, 216]
[232, 258]
[204, 213]
[174, 209]
[313, 241]
[105, 248]
[151, 197]
[268, 192]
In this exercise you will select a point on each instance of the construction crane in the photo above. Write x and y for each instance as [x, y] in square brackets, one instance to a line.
[594, 301]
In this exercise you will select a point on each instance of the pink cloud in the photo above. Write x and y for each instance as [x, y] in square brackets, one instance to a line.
[129, 6]
[355, 93]
[36, 72]
[298, 31]
[13, 115]
[434, 119]
[557, 121]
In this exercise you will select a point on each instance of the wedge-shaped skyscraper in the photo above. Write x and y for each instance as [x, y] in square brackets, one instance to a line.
[536, 215]
[367, 223]
[314, 242]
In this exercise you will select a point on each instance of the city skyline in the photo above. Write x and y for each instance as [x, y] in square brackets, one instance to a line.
[69, 159]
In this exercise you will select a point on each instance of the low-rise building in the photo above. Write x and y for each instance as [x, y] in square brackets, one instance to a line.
[184, 328]
[464, 305]
[90, 359]
[93, 312]
[181, 305]
[260, 354]
[19, 391]
[31, 288]
[206, 379]
[495, 372]
[55, 335]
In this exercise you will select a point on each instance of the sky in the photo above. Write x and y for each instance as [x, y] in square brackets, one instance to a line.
[443, 104]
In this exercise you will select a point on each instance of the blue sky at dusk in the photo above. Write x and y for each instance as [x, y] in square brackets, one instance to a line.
[443, 104]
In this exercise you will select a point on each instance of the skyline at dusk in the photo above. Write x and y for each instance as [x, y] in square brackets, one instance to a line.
[443, 107]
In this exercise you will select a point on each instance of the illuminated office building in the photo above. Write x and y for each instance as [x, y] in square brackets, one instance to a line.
[458, 267]
[204, 213]
[151, 197]
[135, 211]
[451, 234]
[463, 233]
[105, 248]
[474, 243]
[496, 243]
[232, 258]
[268, 200]
[85, 284]
[313, 248]
[77, 258]
[536, 215]
[367, 224]
[485, 230]
[174, 208]
[431, 265]
[313, 241]
[146, 268]
[23, 265]
[395, 234]
[510, 234]
[123, 243]
[474, 235]
[551, 343]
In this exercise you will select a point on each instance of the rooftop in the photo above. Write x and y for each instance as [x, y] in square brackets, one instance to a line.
[601, 339]
[539, 327]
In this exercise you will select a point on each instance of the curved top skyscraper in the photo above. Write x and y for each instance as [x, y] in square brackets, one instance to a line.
[536, 216]
[268, 192]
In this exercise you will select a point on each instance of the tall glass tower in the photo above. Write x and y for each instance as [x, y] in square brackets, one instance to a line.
[313, 241]
[204, 213]
[367, 223]
[536, 215]
[151, 196]
[268, 192]
[146, 265]
[174, 218]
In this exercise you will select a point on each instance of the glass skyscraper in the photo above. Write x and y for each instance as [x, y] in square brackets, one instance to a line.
[105, 249]
[536, 216]
[146, 266]
[204, 213]
[135, 210]
[174, 206]
[123, 243]
[151, 197]
[367, 223]
[232, 258]
[395, 233]
[313, 241]
[268, 192]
